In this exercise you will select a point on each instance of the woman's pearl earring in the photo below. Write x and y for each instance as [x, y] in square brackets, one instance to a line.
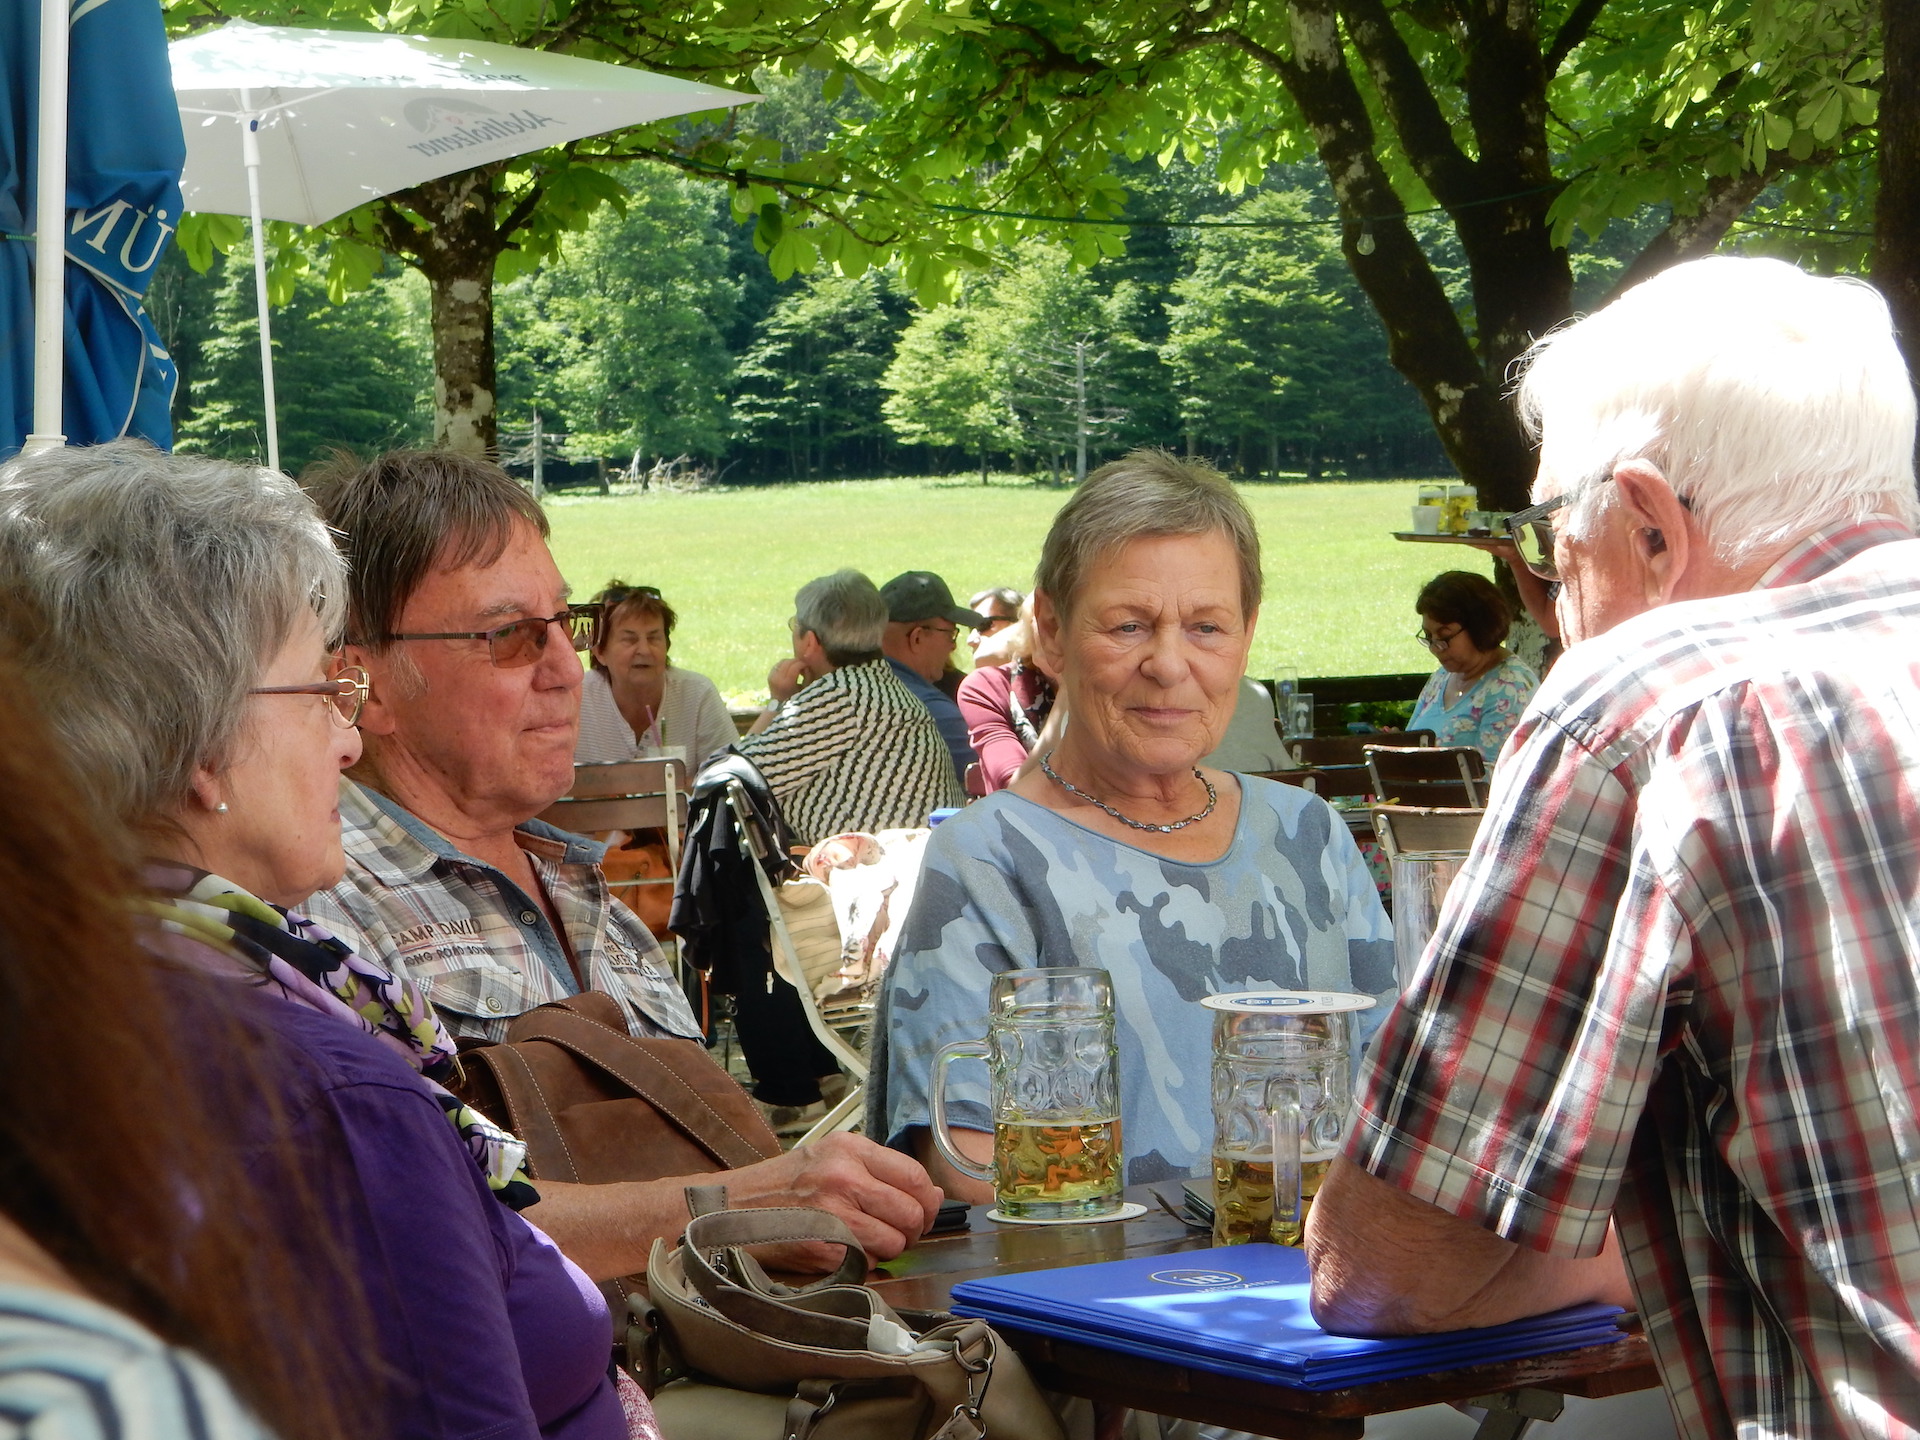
[221, 808]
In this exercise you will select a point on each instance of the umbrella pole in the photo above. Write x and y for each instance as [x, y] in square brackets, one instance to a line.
[50, 233]
[250, 154]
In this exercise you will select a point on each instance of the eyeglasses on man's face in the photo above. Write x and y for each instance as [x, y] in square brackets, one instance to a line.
[1532, 529]
[345, 694]
[947, 631]
[523, 641]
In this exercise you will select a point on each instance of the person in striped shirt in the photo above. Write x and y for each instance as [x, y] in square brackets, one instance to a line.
[1667, 1018]
[845, 745]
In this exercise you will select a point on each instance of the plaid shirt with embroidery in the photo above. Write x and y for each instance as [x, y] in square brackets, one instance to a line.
[477, 946]
[1678, 983]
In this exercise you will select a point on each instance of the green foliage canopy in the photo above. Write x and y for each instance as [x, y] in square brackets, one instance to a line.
[622, 341]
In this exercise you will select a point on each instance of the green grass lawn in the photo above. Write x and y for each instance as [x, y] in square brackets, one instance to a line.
[1339, 588]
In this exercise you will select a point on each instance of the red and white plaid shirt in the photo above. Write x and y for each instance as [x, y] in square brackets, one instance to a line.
[1678, 984]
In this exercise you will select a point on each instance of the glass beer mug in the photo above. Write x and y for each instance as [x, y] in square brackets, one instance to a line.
[1282, 1092]
[1055, 1098]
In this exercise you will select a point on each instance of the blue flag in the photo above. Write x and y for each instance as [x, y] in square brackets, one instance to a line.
[125, 151]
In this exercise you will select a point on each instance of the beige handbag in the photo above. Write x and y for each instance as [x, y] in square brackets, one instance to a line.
[730, 1354]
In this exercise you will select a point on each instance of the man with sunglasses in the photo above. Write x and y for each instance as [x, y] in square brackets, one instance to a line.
[1674, 992]
[460, 618]
[923, 621]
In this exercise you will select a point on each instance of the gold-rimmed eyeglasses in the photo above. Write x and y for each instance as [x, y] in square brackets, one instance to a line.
[345, 693]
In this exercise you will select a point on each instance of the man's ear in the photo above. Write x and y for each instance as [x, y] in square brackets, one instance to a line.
[808, 650]
[376, 716]
[1662, 539]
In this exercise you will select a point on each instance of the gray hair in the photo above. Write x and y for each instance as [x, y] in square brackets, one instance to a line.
[148, 591]
[1774, 401]
[846, 612]
[1146, 493]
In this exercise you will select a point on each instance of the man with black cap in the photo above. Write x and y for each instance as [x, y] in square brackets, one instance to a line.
[923, 621]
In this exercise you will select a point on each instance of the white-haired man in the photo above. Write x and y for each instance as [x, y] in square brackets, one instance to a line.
[461, 619]
[1676, 988]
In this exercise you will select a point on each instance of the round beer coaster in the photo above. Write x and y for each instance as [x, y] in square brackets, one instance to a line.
[1128, 1211]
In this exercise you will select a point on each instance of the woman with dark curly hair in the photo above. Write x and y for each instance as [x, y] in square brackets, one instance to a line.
[1477, 694]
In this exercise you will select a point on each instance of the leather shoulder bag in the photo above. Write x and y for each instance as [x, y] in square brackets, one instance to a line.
[595, 1104]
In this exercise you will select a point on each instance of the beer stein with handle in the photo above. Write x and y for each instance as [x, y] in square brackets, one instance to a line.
[1055, 1097]
[1282, 1093]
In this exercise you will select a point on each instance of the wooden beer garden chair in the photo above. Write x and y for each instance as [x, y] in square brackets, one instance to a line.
[1420, 829]
[1449, 777]
[629, 795]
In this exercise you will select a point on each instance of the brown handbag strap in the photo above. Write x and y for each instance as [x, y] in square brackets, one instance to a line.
[649, 1077]
[724, 1233]
[529, 1115]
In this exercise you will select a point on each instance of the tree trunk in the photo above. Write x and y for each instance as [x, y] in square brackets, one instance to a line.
[1426, 342]
[1896, 222]
[457, 255]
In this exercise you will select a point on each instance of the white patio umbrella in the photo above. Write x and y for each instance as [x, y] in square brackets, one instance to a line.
[329, 119]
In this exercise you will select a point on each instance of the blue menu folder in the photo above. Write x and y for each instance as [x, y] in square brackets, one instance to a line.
[1242, 1310]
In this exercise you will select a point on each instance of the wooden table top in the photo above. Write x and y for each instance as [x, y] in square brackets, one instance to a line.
[924, 1278]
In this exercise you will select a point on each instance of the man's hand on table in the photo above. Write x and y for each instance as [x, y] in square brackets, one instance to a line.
[884, 1197]
[1385, 1263]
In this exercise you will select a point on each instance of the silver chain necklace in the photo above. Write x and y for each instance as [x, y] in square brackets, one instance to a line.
[1213, 798]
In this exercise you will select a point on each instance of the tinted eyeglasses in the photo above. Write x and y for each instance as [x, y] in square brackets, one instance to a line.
[522, 642]
[345, 694]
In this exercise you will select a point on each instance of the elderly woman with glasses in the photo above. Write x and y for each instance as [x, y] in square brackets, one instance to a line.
[1476, 696]
[1118, 847]
[212, 734]
[636, 702]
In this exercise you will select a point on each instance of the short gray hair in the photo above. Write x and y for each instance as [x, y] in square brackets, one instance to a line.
[1146, 493]
[149, 591]
[1775, 402]
[845, 610]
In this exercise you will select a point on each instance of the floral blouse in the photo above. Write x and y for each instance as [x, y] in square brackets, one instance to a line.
[1485, 715]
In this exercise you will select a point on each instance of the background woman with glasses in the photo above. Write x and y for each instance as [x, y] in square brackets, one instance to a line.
[636, 702]
[1477, 694]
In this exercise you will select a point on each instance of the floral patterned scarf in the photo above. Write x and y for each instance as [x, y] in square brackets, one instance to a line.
[316, 969]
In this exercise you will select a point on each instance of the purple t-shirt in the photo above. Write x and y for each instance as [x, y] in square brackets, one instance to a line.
[497, 1335]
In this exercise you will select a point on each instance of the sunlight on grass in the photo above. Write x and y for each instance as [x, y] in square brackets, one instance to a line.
[1339, 588]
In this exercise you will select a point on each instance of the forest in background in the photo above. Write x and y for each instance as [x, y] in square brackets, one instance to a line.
[658, 343]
